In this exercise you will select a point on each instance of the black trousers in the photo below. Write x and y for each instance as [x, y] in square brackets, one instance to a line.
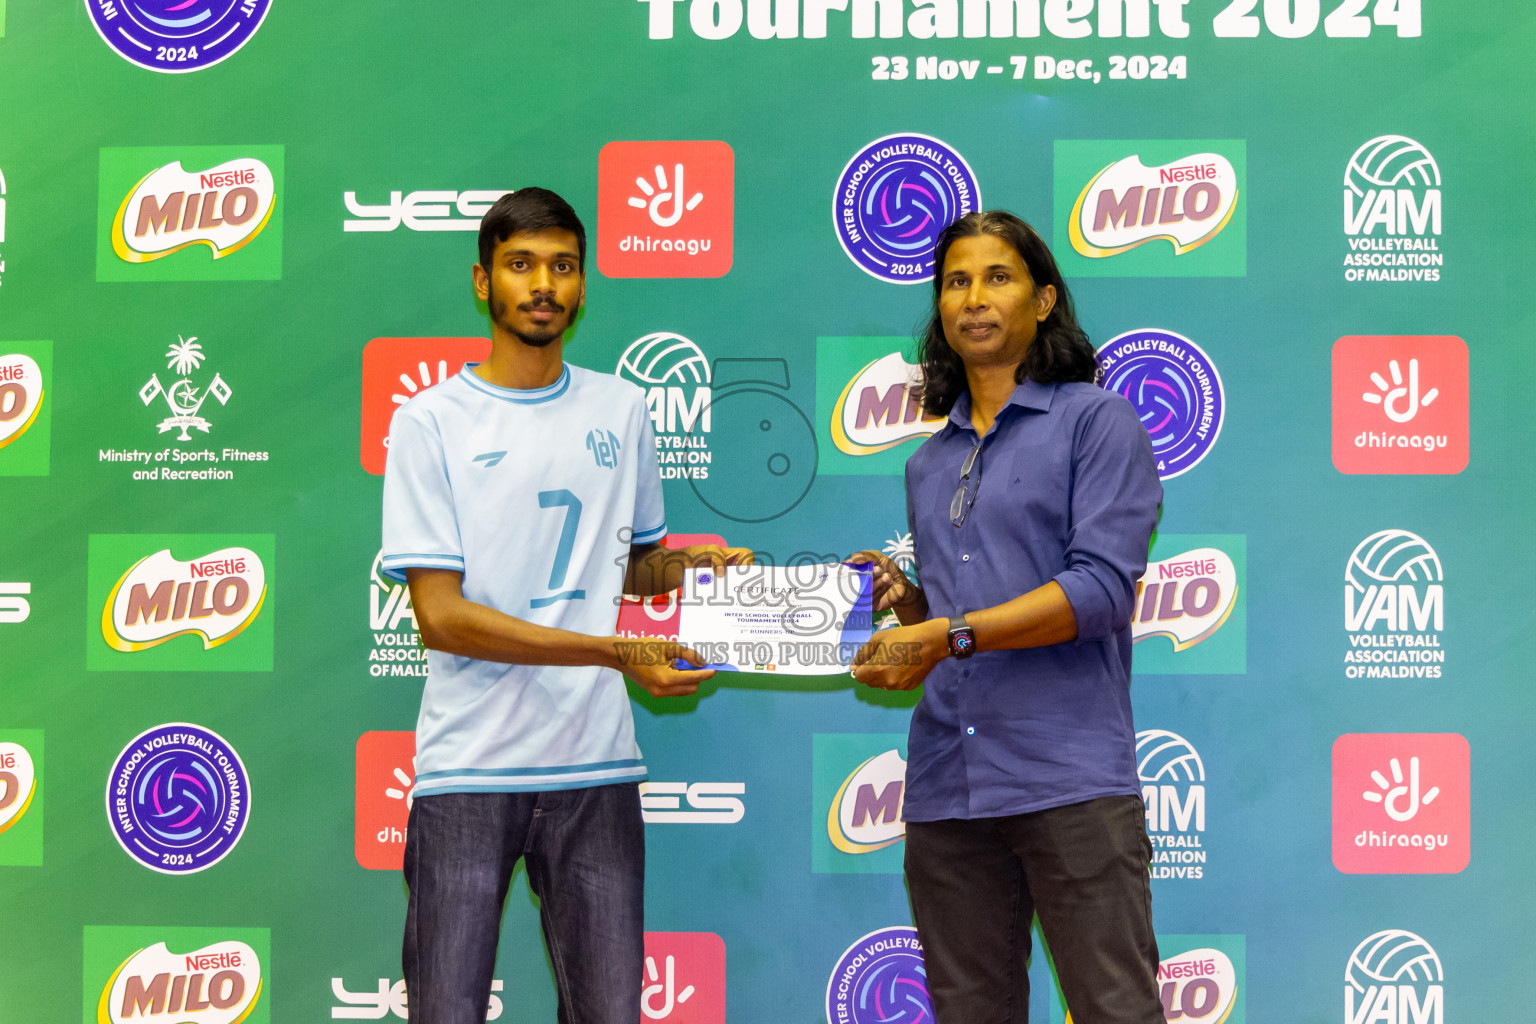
[976, 885]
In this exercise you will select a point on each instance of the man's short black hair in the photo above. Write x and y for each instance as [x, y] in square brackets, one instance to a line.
[529, 209]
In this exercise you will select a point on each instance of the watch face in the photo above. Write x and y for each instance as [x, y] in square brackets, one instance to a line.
[962, 643]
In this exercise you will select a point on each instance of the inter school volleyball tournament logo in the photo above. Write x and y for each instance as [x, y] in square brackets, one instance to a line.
[665, 209]
[178, 798]
[1392, 212]
[1151, 208]
[1175, 389]
[1394, 608]
[1394, 975]
[1402, 803]
[1173, 790]
[195, 213]
[1400, 405]
[894, 198]
[180, 975]
[880, 979]
[26, 377]
[177, 36]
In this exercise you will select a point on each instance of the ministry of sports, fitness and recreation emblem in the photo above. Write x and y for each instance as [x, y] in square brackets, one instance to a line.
[182, 396]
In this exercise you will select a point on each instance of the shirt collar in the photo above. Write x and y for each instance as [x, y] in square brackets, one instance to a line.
[1027, 395]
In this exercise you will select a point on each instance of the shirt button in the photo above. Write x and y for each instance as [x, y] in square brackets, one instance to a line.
[965, 558]
[970, 730]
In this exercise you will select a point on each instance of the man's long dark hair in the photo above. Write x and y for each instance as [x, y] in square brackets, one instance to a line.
[1060, 351]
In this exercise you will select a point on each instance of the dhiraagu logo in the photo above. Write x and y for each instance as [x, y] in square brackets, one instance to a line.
[181, 975]
[858, 786]
[180, 603]
[1152, 208]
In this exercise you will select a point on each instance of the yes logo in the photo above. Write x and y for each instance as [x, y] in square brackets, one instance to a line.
[395, 370]
[1152, 208]
[26, 379]
[196, 213]
[684, 979]
[180, 975]
[1192, 596]
[424, 210]
[21, 797]
[1400, 405]
[180, 603]
[858, 786]
[1402, 803]
[386, 771]
[665, 209]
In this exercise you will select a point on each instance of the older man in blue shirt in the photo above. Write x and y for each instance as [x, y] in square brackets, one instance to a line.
[1031, 511]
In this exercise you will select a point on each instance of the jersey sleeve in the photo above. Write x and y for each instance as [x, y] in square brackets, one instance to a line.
[421, 530]
[650, 521]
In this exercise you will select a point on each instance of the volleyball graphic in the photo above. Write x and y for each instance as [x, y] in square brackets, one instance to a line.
[1163, 756]
[1392, 956]
[1392, 556]
[664, 358]
[1391, 161]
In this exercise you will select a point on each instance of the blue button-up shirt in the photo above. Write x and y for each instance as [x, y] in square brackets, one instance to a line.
[1069, 492]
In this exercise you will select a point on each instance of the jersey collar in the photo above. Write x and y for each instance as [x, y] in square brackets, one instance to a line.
[532, 396]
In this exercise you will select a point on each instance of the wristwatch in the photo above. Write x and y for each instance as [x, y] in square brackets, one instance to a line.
[962, 638]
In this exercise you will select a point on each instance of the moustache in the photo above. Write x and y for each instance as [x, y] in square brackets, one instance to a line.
[541, 303]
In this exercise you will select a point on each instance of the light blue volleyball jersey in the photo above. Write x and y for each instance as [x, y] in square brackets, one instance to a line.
[535, 496]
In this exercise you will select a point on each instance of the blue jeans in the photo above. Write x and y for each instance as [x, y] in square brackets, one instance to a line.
[585, 854]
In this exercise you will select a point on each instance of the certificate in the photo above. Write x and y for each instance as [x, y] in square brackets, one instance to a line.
[802, 620]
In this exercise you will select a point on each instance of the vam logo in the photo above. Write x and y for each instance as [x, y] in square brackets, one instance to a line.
[180, 214]
[709, 803]
[180, 975]
[1392, 212]
[1173, 790]
[1192, 596]
[1152, 208]
[665, 209]
[26, 377]
[1402, 803]
[675, 374]
[386, 773]
[151, 598]
[1394, 608]
[397, 648]
[858, 783]
[1394, 977]
[396, 370]
[1400, 405]
[21, 797]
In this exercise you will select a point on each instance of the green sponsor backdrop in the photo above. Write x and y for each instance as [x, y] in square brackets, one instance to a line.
[479, 95]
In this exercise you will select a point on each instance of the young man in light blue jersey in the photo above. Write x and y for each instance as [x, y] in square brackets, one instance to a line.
[521, 498]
